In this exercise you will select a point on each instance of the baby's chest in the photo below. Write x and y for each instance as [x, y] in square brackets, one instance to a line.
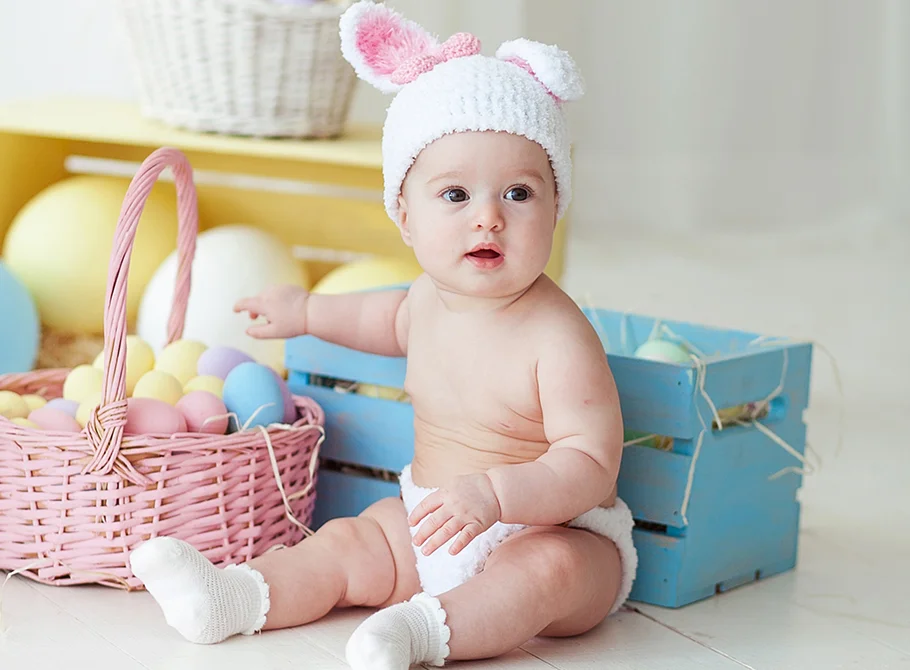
[474, 380]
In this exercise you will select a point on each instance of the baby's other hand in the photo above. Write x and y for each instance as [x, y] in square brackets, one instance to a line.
[467, 508]
[284, 309]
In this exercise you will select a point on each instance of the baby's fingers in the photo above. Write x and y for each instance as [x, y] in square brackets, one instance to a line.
[252, 305]
[429, 504]
[263, 331]
[443, 535]
[465, 537]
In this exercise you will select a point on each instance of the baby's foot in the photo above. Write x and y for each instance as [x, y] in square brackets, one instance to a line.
[204, 603]
[401, 635]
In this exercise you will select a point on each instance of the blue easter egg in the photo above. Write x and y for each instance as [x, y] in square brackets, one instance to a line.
[20, 327]
[251, 388]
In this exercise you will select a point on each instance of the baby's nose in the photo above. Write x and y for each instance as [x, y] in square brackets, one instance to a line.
[489, 217]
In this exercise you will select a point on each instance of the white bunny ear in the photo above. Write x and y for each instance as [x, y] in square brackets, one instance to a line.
[376, 40]
[551, 66]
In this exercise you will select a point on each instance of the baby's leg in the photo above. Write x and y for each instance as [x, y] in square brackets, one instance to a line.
[550, 581]
[363, 561]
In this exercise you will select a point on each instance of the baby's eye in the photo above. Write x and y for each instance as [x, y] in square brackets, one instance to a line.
[518, 194]
[455, 195]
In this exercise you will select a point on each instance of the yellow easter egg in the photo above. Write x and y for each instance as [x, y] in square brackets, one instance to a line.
[90, 402]
[368, 273]
[159, 385]
[34, 401]
[180, 359]
[24, 422]
[140, 358]
[12, 406]
[383, 392]
[81, 382]
[210, 383]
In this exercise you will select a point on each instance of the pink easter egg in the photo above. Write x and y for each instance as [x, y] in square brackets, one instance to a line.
[152, 416]
[219, 361]
[54, 418]
[197, 407]
[290, 409]
[68, 406]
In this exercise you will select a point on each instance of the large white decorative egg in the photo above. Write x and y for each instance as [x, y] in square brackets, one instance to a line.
[231, 262]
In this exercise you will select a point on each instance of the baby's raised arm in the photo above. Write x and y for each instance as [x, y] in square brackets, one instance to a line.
[375, 322]
[583, 424]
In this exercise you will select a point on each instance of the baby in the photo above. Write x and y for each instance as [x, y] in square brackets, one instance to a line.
[508, 524]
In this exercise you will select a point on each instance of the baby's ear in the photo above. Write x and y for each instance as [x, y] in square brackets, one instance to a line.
[375, 40]
[403, 221]
[551, 66]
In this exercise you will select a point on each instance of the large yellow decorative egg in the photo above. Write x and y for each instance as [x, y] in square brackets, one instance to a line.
[140, 358]
[81, 382]
[179, 358]
[370, 273]
[12, 406]
[59, 247]
[159, 385]
[210, 383]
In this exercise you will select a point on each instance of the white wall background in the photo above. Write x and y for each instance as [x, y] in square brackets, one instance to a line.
[700, 116]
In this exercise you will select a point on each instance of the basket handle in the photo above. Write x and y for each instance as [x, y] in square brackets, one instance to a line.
[105, 427]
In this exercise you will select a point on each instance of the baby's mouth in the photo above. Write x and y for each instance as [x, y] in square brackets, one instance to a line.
[485, 254]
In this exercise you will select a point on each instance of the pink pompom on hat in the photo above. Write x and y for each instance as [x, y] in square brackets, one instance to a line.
[449, 87]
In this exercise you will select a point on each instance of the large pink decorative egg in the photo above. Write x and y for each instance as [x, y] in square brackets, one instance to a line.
[152, 416]
[204, 412]
[54, 418]
[219, 361]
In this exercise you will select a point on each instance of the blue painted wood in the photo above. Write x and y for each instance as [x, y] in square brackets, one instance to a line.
[310, 354]
[363, 431]
[739, 521]
[340, 495]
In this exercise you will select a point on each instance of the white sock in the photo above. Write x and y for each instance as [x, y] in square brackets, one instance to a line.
[401, 635]
[204, 603]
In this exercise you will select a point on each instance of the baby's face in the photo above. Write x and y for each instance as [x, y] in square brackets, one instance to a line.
[479, 210]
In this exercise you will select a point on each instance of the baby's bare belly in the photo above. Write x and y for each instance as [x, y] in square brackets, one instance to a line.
[443, 451]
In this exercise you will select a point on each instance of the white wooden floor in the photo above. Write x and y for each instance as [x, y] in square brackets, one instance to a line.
[847, 605]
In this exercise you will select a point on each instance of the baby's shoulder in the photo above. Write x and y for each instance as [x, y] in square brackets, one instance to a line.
[559, 321]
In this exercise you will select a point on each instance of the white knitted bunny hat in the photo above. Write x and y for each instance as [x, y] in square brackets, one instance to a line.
[449, 87]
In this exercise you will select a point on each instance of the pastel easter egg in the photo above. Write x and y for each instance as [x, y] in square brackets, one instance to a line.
[181, 359]
[53, 418]
[161, 385]
[663, 351]
[22, 421]
[219, 361]
[140, 358]
[81, 382]
[204, 413]
[84, 413]
[68, 406]
[146, 416]
[12, 406]
[210, 383]
[34, 401]
[290, 408]
[252, 392]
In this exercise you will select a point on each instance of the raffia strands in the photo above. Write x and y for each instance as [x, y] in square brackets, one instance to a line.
[73, 505]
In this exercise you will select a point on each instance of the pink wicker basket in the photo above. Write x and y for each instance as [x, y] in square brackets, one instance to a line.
[73, 505]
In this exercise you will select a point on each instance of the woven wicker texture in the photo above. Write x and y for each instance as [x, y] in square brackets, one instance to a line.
[241, 67]
[73, 505]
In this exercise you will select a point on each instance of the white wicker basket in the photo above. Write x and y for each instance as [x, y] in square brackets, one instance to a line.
[241, 67]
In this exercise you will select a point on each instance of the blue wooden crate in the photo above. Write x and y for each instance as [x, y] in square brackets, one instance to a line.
[736, 521]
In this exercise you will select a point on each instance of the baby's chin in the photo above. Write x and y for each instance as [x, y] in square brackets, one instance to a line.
[483, 287]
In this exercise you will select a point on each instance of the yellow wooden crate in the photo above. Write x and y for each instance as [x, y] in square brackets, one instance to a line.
[319, 194]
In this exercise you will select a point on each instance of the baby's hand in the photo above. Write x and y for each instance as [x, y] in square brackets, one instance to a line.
[467, 508]
[284, 309]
